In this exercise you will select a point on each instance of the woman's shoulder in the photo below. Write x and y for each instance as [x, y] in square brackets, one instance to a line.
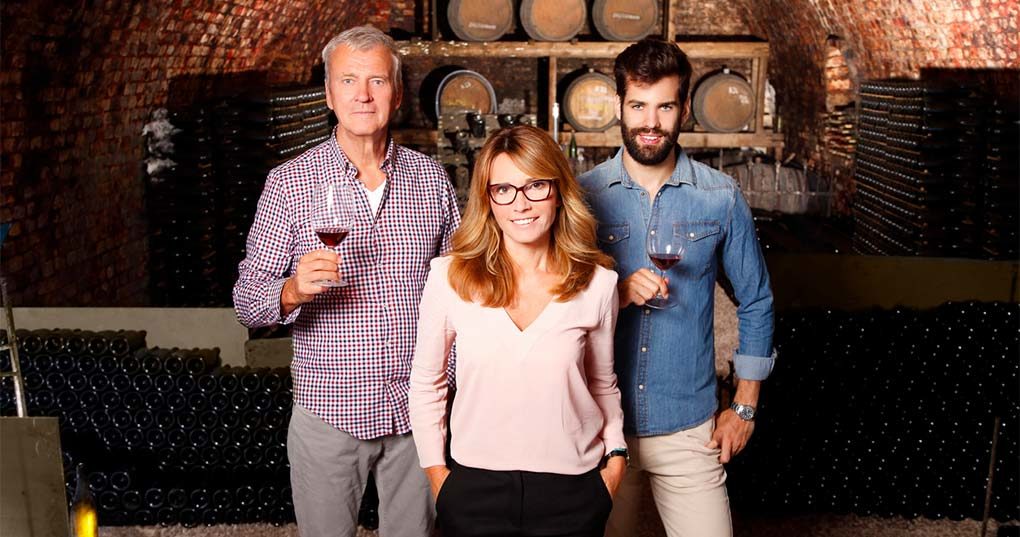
[602, 284]
[441, 263]
[604, 277]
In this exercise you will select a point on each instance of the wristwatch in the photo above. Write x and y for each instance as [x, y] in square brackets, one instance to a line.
[744, 412]
[618, 452]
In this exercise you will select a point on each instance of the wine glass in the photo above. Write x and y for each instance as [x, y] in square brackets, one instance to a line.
[332, 218]
[665, 249]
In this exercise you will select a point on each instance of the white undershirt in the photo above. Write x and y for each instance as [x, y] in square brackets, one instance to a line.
[374, 196]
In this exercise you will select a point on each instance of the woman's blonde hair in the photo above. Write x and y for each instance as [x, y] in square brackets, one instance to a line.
[481, 270]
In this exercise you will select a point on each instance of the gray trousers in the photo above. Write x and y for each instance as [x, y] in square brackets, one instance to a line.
[329, 471]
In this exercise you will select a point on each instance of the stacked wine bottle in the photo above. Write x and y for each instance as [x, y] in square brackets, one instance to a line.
[182, 211]
[889, 413]
[1001, 168]
[201, 208]
[168, 436]
[935, 170]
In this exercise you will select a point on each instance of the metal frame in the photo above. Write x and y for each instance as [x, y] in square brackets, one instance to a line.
[12, 347]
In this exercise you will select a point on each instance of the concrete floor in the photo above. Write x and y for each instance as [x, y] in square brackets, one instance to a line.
[791, 526]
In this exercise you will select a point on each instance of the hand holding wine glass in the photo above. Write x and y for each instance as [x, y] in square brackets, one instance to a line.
[665, 249]
[332, 218]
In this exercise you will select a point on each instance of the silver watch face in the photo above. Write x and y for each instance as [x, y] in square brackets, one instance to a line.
[745, 412]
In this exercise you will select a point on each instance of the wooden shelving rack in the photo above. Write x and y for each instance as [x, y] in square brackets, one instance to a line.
[756, 51]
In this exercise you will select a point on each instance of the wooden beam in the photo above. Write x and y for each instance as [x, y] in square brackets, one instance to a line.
[602, 49]
[670, 23]
[552, 94]
[612, 138]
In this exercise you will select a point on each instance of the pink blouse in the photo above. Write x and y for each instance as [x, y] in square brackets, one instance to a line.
[543, 399]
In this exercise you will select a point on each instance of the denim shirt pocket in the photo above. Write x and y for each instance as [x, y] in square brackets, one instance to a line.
[612, 238]
[699, 239]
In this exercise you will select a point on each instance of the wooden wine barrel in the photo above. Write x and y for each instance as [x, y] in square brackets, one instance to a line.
[553, 20]
[723, 102]
[589, 104]
[465, 91]
[625, 20]
[480, 20]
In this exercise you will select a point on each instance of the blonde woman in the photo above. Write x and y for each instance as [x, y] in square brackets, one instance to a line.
[537, 444]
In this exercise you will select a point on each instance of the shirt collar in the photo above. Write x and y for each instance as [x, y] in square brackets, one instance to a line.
[388, 163]
[683, 171]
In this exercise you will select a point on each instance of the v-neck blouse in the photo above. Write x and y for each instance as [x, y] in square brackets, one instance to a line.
[542, 399]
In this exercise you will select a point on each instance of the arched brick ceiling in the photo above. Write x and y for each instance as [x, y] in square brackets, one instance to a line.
[80, 78]
[79, 81]
[882, 39]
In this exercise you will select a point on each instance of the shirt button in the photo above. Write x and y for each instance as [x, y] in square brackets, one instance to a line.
[611, 237]
[641, 386]
[648, 312]
[691, 235]
[652, 232]
[644, 349]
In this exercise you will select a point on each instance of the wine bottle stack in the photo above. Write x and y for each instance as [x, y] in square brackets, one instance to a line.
[888, 413]
[839, 134]
[907, 138]
[1001, 169]
[182, 207]
[170, 436]
[202, 207]
[256, 133]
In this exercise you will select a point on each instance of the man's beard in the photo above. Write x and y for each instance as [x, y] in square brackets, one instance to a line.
[648, 155]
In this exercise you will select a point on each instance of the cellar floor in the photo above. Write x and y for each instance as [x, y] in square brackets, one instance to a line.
[818, 525]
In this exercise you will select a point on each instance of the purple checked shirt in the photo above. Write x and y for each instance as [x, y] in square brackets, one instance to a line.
[352, 345]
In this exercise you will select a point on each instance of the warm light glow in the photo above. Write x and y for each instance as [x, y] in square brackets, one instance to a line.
[85, 524]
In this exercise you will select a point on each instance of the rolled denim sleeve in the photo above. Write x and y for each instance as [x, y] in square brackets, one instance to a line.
[745, 267]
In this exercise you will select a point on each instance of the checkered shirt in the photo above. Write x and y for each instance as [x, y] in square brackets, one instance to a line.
[352, 345]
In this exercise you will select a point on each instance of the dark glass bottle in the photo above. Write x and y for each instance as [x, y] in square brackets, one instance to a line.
[201, 361]
[189, 517]
[166, 517]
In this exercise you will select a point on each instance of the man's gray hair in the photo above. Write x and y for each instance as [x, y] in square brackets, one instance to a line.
[363, 38]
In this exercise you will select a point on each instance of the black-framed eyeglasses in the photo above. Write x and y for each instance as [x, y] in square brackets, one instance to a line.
[505, 193]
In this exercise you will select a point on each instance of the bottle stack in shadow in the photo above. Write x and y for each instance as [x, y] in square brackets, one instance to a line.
[201, 208]
[907, 142]
[259, 132]
[936, 171]
[182, 210]
[169, 436]
[1001, 179]
[888, 413]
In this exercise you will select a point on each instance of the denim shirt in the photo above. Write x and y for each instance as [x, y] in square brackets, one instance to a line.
[665, 359]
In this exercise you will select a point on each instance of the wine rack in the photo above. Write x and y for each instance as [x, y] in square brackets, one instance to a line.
[935, 172]
[168, 436]
[888, 413]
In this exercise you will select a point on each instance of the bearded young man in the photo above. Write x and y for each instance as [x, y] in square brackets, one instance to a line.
[665, 359]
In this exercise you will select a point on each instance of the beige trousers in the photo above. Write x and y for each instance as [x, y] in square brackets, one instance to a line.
[688, 484]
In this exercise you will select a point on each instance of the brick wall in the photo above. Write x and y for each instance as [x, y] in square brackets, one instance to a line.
[880, 39]
[710, 18]
[78, 84]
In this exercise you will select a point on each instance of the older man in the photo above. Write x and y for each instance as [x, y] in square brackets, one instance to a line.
[352, 344]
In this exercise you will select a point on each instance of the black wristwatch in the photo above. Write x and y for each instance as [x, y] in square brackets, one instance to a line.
[618, 452]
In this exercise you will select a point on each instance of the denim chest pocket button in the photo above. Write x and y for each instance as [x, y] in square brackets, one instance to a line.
[613, 233]
[701, 238]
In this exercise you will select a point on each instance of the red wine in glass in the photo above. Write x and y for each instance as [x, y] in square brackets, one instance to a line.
[332, 236]
[332, 217]
[665, 248]
[664, 262]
